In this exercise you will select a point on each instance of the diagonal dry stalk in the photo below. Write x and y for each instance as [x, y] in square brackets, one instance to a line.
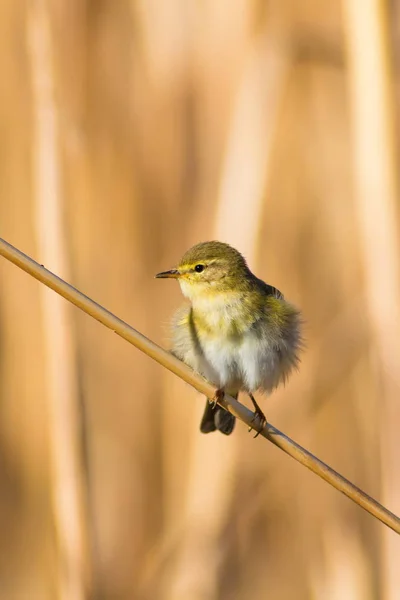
[166, 359]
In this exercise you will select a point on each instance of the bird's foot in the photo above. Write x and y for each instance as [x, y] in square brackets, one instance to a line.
[258, 413]
[263, 421]
[219, 395]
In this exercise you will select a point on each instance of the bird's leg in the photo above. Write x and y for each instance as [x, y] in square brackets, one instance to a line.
[219, 395]
[257, 413]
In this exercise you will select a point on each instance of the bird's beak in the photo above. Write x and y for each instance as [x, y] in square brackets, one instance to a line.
[172, 274]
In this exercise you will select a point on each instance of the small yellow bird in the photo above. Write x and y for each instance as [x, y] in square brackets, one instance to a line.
[237, 331]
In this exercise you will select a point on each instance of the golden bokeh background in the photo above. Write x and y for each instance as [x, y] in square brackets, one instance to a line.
[130, 130]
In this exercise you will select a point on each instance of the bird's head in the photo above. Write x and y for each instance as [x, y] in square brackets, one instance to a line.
[209, 268]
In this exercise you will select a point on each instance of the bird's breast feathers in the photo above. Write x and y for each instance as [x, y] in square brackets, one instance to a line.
[235, 347]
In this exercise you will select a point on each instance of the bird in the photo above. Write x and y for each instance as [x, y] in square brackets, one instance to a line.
[235, 330]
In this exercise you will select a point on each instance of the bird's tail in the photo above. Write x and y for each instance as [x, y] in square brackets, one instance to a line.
[217, 418]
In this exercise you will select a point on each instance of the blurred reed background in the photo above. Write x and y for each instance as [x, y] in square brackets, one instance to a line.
[131, 130]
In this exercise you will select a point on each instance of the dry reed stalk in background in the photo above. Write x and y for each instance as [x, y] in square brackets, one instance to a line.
[337, 558]
[377, 194]
[62, 395]
[244, 177]
[345, 572]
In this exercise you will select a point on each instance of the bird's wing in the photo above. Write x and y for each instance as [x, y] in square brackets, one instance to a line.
[270, 290]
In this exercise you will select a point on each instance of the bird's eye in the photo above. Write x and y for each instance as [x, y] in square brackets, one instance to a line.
[199, 268]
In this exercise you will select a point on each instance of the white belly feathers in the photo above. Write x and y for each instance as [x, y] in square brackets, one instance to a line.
[246, 363]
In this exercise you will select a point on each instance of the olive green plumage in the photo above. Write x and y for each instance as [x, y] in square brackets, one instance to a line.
[237, 331]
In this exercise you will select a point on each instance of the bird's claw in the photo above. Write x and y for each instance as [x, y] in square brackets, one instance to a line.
[263, 421]
[257, 413]
[219, 395]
